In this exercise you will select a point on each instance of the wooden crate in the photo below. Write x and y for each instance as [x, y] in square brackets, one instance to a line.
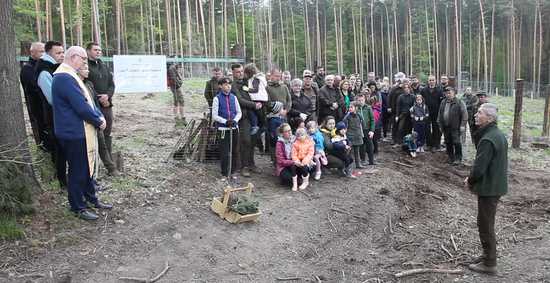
[220, 206]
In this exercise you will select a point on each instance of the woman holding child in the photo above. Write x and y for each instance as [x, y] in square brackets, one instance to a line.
[294, 157]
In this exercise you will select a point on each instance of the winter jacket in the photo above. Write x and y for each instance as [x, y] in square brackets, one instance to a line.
[210, 90]
[319, 141]
[367, 117]
[470, 101]
[257, 88]
[273, 124]
[225, 107]
[314, 98]
[319, 80]
[385, 102]
[393, 96]
[246, 104]
[300, 105]
[419, 113]
[174, 77]
[377, 113]
[458, 116]
[327, 139]
[404, 103]
[283, 157]
[339, 143]
[277, 91]
[102, 78]
[303, 150]
[489, 174]
[327, 96]
[355, 128]
[432, 98]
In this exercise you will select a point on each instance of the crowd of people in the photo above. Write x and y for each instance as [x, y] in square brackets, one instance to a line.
[308, 125]
[344, 118]
[68, 96]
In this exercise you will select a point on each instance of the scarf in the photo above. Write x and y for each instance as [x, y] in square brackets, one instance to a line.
[89, 129]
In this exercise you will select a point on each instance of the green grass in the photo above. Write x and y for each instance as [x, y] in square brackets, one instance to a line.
[532, 115]
[9, 230]
[195, 83]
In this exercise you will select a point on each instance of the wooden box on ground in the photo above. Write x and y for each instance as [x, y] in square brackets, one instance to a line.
[220, 206]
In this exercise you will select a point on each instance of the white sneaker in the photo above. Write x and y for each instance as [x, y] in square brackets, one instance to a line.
[317, 175]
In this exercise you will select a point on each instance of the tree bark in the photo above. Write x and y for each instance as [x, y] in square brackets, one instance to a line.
[516, 137]
[485, 65]
[169, 33]
[62, 22]
[38, 20]
[212, 27]
[118, 27]
[491, 78]
[49, 31]
[13, 135]
[79, 35]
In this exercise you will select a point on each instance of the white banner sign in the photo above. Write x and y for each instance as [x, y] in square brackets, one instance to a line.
[139, 73]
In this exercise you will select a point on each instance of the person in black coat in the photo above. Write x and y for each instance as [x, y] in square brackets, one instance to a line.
[453, 117]
[302, 107]
[28, 77]
[433, 95]
[330, 100]
[403, 106]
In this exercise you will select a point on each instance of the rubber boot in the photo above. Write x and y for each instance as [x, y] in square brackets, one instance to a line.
[295, 183]
[305, 182]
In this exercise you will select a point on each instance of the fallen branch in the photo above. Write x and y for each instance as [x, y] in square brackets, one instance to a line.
[146, 280]
[454, 244]
[288, 278]
[331, 224]
[539, 237]
[446, 250]
[308, 195]
[403, 164]
[427, 270]
[390, 225]
[509, 225]
[432, 195]
[348, 213]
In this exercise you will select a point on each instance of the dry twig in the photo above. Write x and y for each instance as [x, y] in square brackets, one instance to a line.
[454, 244]
[288, 278]
[427, 270]
[331, 224]
[403, 164]
[146, 280]
[446, 250]
[348, 213]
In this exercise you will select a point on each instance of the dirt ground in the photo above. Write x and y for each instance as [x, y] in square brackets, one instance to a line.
[396, 218]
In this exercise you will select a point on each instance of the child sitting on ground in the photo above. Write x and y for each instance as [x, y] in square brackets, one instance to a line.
[341, 148]
[419, 115]
[319, 156]
[355, 133]
[409, 143]
[302, 155]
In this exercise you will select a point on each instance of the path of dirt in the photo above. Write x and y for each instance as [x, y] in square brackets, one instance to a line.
[340, 230]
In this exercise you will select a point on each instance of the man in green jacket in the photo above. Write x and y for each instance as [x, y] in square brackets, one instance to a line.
[488, 179]
[365, 111]
[277, 90]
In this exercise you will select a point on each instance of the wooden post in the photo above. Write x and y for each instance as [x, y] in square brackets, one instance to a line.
[516, 137]
[546, 123]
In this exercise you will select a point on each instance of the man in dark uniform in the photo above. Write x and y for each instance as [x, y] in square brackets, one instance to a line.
[452, 121]
[433, 95]
[32, 92]
[102, 79]
[488, 179]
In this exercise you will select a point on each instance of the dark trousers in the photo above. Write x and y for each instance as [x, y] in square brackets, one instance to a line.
[386, 123]
[486, 210]
[81, 185]
[367, 149]
[60, 162]
[433, 135]
[404, 126]
[108, 114]
[104, 153]
[420, 129]
[356, 154]
[394, 131]
[343, 155]
[453, 144]
[376, 139]
[292, 171]
[335, 162]
[229, 150]
[246, 144]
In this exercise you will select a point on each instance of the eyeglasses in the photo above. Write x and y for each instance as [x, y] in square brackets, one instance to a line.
[84, 58]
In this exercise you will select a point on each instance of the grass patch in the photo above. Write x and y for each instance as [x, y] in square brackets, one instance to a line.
[9, 230]
[532, 115]
[195, 83]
